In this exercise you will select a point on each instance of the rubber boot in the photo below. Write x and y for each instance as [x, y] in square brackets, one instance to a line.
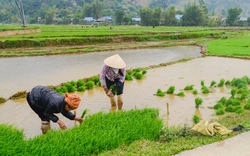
[113, 103]
[45, 126]
[120, 102]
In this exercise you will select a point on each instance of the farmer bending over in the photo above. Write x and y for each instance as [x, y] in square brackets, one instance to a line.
[112, 79]
[45, 102]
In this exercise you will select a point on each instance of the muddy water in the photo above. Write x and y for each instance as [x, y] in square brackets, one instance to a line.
[140, 93]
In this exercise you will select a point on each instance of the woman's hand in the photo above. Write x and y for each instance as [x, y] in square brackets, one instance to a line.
[80, 120]
[61, 125]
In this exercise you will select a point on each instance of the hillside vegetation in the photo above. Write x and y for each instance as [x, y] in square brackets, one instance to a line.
[78, 8]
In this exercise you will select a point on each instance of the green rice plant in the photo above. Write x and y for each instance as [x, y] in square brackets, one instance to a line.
[236, 108]
[181, 94]
[160, 93]
[220, 111]
[196, 119]
[221, 83]
[189, 87]
[223, 100]
[242, 90]
[138, 70]
[128, 77]
[73, 83]
[144, 72]
[96, 80]
[227, 82]
[89, 85]
[170, 90]
[233, 92]
[247, 105]
[205, 90]
[84, 113]
[202, 83]
[229, 108]
[61, 89]
[79, 83]
[138, 75]
[70, 87]
[195, 91]
[130, 72]
[239, 111]
[212, 83]
[218, 105]
[198, 102]
[12, 140]
[81, 89]
[244, 95]
[93, 137]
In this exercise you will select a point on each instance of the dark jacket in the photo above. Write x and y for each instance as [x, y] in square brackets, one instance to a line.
[51, 101]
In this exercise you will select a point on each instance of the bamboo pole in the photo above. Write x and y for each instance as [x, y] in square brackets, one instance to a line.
[167, 108]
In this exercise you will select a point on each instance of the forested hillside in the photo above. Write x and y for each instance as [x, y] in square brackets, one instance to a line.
[78, 9]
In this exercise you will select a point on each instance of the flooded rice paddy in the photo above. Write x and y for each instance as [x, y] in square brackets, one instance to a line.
[25, 73]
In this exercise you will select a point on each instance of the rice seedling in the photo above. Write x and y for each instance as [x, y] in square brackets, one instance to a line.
[212, 83]
[84, 113]
[160, 93]
[170, 90]
[198, 102]
[182, 94]
[196, 119]
[205, 90]
[218, 105]
[220, 111]
[189, 87]
[89, 85]
[221, 83]
[233, 92]
[202, 83]
[128, 77]
[195, 91]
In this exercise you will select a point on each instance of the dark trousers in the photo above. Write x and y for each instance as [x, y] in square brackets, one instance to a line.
[118, 86]
[39, 111]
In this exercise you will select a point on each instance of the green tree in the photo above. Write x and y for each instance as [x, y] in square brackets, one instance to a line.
[233, 15]
[156, 17]
[97, 8]
[50, 14]
[87, 9]
[119, 16]
[193, 15]
[127, 19]
[169, 16]
[146, 15]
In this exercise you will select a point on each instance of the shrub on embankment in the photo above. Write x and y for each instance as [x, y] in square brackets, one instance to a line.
[98, 133]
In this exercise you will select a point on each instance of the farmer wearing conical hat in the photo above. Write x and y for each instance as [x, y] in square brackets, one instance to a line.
[112, 79]
[45, 102]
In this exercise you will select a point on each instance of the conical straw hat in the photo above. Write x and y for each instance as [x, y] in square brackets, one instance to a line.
[115, 61]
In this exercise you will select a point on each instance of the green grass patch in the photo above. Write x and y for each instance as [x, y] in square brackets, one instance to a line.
[238, 46]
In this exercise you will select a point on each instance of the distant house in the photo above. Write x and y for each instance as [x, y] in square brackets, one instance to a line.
[103, 19]
[138, 20]
[108, 18]
[178, 17]
[242, 21]
[89, 19]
